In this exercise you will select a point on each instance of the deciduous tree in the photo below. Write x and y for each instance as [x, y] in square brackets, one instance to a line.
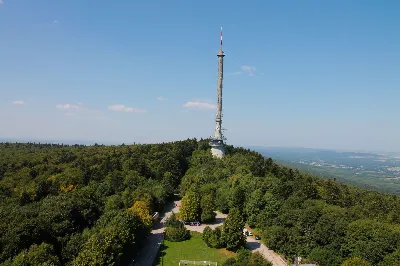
[190, 206]
[207, 208]
[356, 262]
[232, 232]
[142, 210]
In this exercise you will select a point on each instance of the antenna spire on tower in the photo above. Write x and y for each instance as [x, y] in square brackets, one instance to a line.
[221, 38]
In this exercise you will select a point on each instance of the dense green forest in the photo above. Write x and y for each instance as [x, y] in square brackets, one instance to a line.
[74, 205]
[325, 221]
[90, 205]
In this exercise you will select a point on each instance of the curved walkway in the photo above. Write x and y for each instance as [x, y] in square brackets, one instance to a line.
[255, 245]
[148, 253]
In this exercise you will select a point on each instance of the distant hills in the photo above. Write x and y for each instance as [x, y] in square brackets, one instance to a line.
[53, 141]
[378, 171]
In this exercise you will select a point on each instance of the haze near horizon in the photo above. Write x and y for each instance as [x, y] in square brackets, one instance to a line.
[312, 74]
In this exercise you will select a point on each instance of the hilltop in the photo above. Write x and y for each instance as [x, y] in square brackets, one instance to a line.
[58, 202]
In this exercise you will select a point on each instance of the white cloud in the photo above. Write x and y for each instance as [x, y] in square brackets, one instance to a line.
[67, 106]
[78, 109]
[200, 105]
[1, 2]
[123, 108]
[19, 101]
[71, 109]
[161, 98]
[249, 70]
[55, 21]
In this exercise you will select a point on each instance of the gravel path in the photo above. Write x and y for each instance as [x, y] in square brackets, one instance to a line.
[219, 220]
[148, 253]
[255, 245]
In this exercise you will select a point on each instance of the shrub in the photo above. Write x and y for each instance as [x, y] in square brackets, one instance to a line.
[230, 262]
[175, 230]
[176, 234]
[213, 238]
[172, 221]
[207, 232]
[246, 257]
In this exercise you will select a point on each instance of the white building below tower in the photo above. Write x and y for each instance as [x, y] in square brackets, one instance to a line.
[218, 151]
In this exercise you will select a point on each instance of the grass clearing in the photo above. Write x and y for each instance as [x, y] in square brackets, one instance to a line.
[193, 249]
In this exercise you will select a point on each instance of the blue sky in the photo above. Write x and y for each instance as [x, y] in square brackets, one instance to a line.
[323, 74]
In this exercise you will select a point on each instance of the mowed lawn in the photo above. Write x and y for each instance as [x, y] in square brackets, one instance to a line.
[192, 249]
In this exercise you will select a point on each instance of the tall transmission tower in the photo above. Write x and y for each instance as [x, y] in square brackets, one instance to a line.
[217, 140]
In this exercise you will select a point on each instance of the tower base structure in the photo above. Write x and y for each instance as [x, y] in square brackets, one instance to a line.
[217, 148]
